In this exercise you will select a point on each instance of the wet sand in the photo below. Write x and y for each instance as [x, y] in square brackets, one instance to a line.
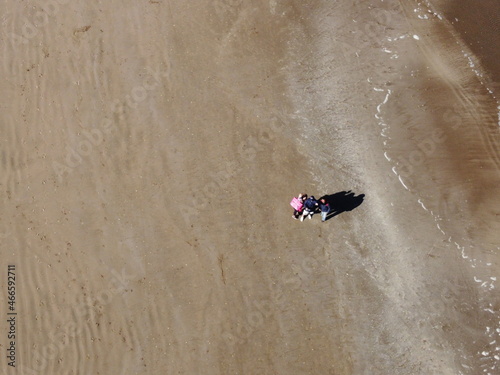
[149, 154]
[477, 25]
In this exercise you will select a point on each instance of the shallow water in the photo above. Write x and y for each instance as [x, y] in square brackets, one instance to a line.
[418, 133]
[142, 255]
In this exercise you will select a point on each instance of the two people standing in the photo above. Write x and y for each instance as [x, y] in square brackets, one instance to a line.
[307, 206]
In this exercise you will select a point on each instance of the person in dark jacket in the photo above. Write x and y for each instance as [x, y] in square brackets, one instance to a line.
[325, 209]
[310, 206]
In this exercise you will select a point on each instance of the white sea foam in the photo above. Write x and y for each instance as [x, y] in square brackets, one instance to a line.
[488, 283]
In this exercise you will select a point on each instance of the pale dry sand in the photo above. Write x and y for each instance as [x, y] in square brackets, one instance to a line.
[149, 152]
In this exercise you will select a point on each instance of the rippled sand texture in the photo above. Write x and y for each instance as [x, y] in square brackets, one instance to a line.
[416, 129]
[149, 152]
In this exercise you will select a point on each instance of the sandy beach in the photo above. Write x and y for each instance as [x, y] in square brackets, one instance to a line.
[150, 150]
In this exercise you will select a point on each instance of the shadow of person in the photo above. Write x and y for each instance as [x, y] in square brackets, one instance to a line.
[341, 202]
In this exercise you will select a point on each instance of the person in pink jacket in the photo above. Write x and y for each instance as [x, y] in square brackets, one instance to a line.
[298, 205]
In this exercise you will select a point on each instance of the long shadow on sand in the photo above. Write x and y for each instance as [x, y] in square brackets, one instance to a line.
[342, 201]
